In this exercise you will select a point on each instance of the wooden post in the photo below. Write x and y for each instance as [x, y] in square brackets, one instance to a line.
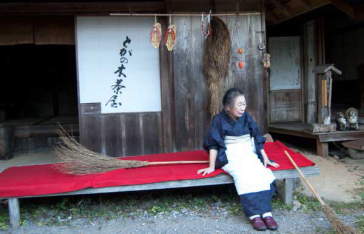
[322, 148]
[324, 74]
[288, 191]
[6, 141]
[14, 212]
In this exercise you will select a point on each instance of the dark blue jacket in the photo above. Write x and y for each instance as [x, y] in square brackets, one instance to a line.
[223, 125]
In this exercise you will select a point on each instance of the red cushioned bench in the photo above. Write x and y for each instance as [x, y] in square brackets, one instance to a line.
[46, 180]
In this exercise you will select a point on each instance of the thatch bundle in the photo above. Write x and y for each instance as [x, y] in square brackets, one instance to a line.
[216, 61]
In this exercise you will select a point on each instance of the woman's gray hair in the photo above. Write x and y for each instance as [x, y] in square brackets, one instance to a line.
[230, 95]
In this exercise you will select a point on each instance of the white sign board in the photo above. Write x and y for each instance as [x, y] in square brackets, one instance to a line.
[117, 65]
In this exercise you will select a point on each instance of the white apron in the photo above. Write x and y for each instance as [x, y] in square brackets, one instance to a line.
[244, 166]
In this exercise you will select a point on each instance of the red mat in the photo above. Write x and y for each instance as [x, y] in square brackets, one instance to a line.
[46, 179]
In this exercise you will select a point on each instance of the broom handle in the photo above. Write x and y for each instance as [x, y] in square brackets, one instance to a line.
[176, 162]
[304, 179]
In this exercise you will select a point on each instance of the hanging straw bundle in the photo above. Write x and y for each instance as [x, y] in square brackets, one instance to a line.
[216, 61]
[339, 227]
[77, 159]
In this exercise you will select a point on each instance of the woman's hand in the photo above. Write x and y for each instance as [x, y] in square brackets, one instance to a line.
[206, 171]
[268, 162]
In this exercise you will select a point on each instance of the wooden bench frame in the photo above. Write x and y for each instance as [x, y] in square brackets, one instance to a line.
[288, 176]
[322, 139]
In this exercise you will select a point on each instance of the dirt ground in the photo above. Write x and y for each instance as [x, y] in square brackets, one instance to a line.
[340, 180]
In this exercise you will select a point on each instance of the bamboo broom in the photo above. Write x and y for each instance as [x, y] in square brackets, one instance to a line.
[339, 227]
[77, 159]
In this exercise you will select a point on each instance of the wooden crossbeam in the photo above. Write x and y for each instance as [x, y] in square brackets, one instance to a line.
[304, 10]
[306, 4]
[281, 7]
[359, 12]
[71, 8]
[343, 6]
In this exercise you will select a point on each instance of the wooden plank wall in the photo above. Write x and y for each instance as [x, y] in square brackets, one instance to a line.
[189, 84]
[120, 134]
[40, 30]
[183, 121]
[286, 105]
[245, 32]
[191, 94]
[286, 99]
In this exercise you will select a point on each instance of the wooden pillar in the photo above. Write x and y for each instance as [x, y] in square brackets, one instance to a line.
[361, 80]
[322, 148]
[6, 141]
[310, 61]
[288, 191]
[14, 212]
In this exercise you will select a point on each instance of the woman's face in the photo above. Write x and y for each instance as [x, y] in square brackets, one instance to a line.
[238, 108]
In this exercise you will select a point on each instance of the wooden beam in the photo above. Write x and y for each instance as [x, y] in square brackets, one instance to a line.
[359, 12]
[281, 7]
[271, 17]
[306, 4]
[313, 7]
[343, 6]
[79, 8]
[168, 6]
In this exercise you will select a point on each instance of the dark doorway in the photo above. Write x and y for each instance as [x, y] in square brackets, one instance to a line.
[38, 92]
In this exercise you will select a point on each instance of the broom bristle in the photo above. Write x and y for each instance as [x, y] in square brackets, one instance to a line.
[339, 226]
[77, 159]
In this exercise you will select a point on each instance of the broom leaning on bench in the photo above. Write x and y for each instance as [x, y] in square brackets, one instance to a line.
[339, 227]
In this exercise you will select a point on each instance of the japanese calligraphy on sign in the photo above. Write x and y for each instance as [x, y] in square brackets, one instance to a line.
[114, 100]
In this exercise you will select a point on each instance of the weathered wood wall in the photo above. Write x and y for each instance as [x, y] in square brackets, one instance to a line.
[285, 94]
[39, 30]
[286, 105]
[120, 134]
[183, 121]
[309, 62]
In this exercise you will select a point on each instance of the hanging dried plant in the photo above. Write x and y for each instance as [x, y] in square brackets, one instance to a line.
[216, 61]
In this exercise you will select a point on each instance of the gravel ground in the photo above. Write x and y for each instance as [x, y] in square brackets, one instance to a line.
[187, 221]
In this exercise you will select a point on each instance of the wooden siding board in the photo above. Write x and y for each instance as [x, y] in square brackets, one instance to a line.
[90, 132]
[198, 86]
[113, 143]
[151, 133]
[182, 77]
[167, 96]
[285, 105]
[132, 133]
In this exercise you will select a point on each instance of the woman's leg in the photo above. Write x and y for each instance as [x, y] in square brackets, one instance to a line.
[258, 206]
[256, 203]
